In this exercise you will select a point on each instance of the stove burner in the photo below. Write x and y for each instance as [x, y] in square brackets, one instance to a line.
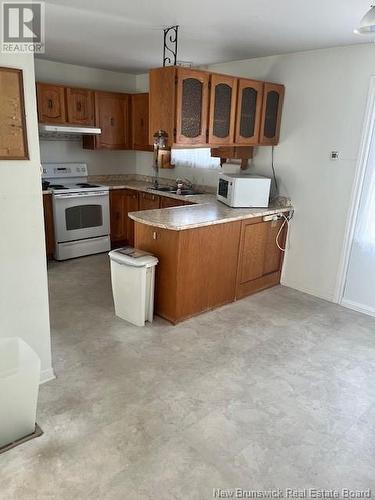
[86, 185]
[57, 186]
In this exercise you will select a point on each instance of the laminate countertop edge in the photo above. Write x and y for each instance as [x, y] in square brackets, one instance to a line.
[199, 219]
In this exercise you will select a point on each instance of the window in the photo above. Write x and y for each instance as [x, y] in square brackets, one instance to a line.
[194, 158]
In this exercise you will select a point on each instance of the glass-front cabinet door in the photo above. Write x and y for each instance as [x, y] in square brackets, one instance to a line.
[249, 112]
[222, 109]
[192, 107]
[271, 114]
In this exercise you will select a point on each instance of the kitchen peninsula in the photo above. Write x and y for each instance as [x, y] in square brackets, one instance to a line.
[210, 254]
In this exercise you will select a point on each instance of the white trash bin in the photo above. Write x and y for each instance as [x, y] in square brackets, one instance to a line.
[19, 387]
[133, 282]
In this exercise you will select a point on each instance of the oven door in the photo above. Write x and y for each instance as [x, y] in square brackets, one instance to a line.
[79, 216]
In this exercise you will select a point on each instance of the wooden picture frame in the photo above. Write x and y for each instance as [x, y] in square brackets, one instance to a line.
[13, 133]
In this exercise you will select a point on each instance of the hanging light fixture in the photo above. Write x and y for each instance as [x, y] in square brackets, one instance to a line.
[367, 25]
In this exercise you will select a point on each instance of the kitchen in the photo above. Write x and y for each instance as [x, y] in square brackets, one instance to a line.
[251, 368]
[63, 110]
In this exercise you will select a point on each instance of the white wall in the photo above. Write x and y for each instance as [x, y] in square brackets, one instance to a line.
[99, 162]
[324, 107]
[23, 273]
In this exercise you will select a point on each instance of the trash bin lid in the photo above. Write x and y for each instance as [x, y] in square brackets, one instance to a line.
[129, 256]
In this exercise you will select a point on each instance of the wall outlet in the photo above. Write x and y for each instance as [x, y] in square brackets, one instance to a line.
[335, 155]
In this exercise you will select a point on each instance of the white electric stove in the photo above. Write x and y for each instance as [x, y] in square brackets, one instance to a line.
[80, 211]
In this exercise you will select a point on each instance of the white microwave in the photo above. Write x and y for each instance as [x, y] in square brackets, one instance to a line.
[243, 191]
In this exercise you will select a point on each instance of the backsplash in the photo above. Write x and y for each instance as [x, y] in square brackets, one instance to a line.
[98, 162]
[198, 176]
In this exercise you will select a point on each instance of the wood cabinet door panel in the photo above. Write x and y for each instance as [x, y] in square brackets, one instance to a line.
[166, 202]
[164, 244]
[80, 106]
[122, 201]
[249, 111]
[48, 225]
[192, 107]
[132, 205]
[140, 122]
[112, 116]
[51, 103]
[13, 137]
[273, 99]
[162, 102]
[222, 109]
[273, 255]
[117, 211]
[223, 247]
[252, 250]
[148, 201]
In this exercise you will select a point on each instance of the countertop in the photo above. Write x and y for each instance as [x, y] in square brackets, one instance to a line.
[202, 214]
[206, 210]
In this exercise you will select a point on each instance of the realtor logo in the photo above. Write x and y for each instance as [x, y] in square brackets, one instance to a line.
[23, 27]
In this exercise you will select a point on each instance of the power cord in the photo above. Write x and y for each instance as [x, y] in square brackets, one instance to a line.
[286, 221]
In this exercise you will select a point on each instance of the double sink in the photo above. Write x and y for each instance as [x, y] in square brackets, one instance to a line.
[170, 189]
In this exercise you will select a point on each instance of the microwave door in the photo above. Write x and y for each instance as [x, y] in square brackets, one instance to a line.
[223, 188]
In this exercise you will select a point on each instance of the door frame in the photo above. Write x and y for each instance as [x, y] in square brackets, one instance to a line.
[368, 130]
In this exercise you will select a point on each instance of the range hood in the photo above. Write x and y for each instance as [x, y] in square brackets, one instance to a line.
[64, 132]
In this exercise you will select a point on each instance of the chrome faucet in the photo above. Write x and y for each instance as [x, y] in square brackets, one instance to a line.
[184, 183]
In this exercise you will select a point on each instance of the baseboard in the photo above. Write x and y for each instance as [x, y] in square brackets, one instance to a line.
[325, 296]
[370, 311]
[47, 375]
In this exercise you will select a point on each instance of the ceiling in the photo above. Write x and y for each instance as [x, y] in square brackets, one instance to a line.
[127, 35]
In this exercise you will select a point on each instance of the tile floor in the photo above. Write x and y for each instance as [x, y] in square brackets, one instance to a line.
[274, 391]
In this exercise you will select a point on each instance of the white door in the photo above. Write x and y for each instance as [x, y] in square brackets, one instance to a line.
[359, 292]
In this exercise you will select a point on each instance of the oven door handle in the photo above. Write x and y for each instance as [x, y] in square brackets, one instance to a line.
[68, 196]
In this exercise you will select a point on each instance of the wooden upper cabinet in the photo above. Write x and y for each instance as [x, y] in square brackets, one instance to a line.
[222, 109]
[112, 116]
[192, 107]
[140, 122]
[249, 111]
[51, 103]
[273, 99]
[13, 137]
[80, 106]
[163, 102]
[197, 108]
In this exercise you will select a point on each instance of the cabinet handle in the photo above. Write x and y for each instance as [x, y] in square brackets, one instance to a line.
[79, 106]
[112, 122]
[50, 104]
[155, 235]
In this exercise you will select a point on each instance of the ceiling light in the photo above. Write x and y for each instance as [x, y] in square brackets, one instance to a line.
[367, 25]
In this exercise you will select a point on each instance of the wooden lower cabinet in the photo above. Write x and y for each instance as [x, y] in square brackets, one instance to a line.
[148, 201]
[197, 267]
[259, 260]
[122, 201]
[203, 268]
[48, 225]
[166, 202]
